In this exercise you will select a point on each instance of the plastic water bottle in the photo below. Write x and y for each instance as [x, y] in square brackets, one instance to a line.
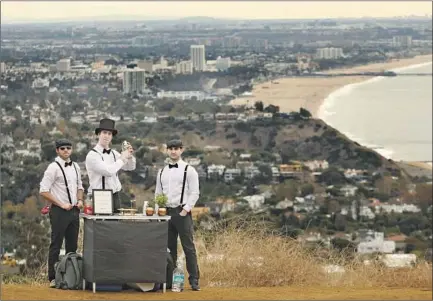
[178, 277]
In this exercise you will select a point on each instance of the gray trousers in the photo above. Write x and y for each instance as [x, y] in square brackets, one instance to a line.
[183, 227]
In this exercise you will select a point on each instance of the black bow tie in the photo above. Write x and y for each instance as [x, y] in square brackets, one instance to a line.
[68, 164]
[173, 165]
[106, 151]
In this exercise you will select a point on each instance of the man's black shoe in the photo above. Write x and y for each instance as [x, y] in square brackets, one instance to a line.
[194, 285]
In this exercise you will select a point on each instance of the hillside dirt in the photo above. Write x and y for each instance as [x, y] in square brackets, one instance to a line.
[26, 292]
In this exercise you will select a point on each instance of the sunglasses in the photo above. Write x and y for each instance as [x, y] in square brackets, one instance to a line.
[65, 147]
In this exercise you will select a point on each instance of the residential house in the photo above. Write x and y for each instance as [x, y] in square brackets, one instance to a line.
[244, 164]
[251, 172]
[194, 117]
[7, 140]
[398, 208]
[400, 242]
[317, 165]
[210, 148]
[364, 211]
[192, 161]
[348, 190]
[275, 174]
[353, 173]
[164, 118]
[375, 243]
[305, 204]
[284, 204]
[220, 117]
[245, 156]
[77, 118]
[290, 170]
[201, 171]
[34, 144]
[255, 201]
[180, 118]
[231, 173]
[207, 116]
[80, 146]
[232, 117]
[215, 171]
[149, 119]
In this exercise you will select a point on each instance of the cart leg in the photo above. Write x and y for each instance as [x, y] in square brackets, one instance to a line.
[94, 287]
[164, 287]
[84, 284]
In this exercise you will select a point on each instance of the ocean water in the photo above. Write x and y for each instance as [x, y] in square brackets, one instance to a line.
[392, 115]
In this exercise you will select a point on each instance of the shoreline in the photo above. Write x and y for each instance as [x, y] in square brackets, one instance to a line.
[316, 94]
[325, 110]
[292, 93]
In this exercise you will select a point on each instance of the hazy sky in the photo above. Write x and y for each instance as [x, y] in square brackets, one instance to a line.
[20, 11]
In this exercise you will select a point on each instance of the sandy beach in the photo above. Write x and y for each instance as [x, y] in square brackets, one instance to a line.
[290, 94]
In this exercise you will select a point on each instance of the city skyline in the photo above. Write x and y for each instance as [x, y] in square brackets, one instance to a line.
[58, 11]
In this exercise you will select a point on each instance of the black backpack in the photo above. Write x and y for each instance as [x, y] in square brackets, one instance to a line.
[69, 272]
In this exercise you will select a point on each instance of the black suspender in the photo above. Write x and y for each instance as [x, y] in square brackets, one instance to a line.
[160, 179]
[102, 157]
[183, 183]
[66, 181]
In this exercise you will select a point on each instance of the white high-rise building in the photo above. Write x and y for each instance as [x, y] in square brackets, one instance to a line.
[329, 53]
[198, 58]
[63, 65]
[402, 41]
[2, 67]
[134, 81]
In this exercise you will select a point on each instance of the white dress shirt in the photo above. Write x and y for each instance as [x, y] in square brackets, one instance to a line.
[107, 167]
[171, 185]
[54, 182]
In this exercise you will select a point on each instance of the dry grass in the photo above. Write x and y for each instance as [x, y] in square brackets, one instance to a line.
[245, 255]
[248, 256]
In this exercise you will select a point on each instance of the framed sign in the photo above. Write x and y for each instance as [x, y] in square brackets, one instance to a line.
[102, 201]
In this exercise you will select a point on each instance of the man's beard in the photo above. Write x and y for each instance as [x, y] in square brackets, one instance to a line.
[174, 160]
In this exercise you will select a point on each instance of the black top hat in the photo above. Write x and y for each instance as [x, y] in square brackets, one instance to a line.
[106, 125]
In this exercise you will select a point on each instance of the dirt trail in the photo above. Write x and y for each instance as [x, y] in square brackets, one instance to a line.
[23, 292]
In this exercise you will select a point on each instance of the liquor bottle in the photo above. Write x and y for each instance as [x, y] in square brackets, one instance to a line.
[178, 277]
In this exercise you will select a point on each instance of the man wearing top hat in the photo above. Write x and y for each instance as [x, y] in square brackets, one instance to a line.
[180, 183]
[103, 163]
[61, 185]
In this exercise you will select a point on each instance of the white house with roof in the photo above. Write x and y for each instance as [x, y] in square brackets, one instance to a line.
[397, 208]
[215, 170]
[255, 201]
[231, 173]
[315, 165]
[376, 243]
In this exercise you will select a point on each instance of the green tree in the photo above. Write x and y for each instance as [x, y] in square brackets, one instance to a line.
[258, 105]
[288, 189]
[307, 189]
[304, 113]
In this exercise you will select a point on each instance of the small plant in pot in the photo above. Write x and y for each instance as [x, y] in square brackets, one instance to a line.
[150, 208]
[161, 201]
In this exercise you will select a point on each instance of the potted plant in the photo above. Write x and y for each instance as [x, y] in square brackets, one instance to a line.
[150, 208]
[161, 201]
